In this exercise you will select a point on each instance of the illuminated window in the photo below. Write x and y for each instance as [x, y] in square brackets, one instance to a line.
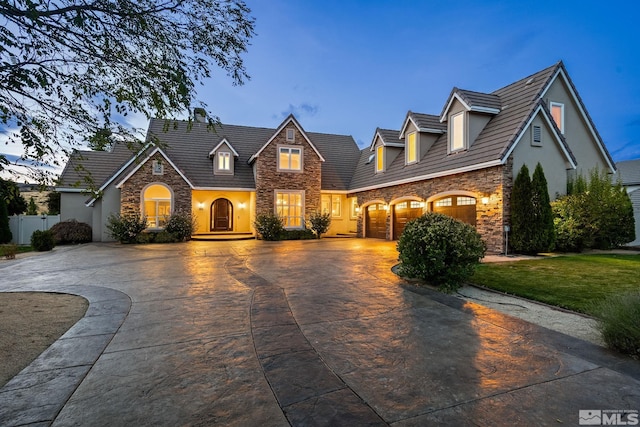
[412, 148]
[402, 205]
[224, 161]
[414, 204]
[465, 201]
[372, 207]
[326, 203]
[380, 159]
[290, 158]
[289, 207]
[456, 130]
[557, 112]
[336, 206]
[444, 202]
[353, 211]
[156, 205]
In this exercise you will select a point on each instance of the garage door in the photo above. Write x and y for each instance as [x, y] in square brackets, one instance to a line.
[403, 213]
[459, 207]
[376, 221]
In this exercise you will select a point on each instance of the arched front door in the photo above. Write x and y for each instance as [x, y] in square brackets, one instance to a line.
[221, 215]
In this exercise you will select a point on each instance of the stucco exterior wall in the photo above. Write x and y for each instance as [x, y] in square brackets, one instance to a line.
[243, 209]
[344, 223]
[72, 206]
[577, 133]
[549, 155]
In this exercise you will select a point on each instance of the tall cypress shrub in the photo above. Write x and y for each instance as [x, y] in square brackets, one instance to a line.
[543, 237]
[5, 231]
[521, 212]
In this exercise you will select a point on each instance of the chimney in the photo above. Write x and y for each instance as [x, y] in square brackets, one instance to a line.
[200, 115]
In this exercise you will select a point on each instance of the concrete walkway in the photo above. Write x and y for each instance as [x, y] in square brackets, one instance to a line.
[291, 333]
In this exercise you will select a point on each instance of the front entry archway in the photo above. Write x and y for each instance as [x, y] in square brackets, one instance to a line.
[221, 215]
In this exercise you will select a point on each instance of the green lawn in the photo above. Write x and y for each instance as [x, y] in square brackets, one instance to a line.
[576, 282]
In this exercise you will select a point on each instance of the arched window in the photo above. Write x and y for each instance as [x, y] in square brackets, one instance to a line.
[156, 205]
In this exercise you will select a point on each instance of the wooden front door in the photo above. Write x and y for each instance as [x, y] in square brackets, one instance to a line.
[221, 215]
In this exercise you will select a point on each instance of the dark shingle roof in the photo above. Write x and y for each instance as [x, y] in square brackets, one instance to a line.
[96, 165]
[479, 99]
[427, 121]
[188, 147]
[629, 171]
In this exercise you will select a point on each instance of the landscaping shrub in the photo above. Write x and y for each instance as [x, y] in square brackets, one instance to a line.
[126, 229]
[9, 251]
[597, 214]
[269, 226]
[42, 241]
[440, 250]
[619, 323]
[302, 234]
[543, 238]
[181, 226]
[71, 232]
[320, 222]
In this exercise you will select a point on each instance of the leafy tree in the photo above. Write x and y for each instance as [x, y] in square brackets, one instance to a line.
[543, 236]
[10, 193]
[5, 230]
[522, 220]
[32, 209]
[71, 68]
[53, 203]
[102, 140]
[320, 223]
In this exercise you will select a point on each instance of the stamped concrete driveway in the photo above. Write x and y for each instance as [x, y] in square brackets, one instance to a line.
[291, 333]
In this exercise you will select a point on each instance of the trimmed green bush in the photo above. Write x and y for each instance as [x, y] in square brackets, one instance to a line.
[9, 251]
[320, 222]
[42, 241]
[180, 226]
[269, 226]
[440, 250]
[71, 232]
[522, 223]
[543, 238]
[301, 234]
[619, 323]
[126, 229]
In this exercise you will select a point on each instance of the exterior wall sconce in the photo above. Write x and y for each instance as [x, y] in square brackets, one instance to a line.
[201, 206]
[485, 200]
[422, 204]
[385, 207]
[357, 209]
[241, 205]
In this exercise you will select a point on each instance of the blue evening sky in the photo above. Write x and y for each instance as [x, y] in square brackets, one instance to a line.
[350, 66]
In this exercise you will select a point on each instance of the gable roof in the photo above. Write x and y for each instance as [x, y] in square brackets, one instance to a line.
[424, 123]
[472, 101]
[285, 123]
[222, 142]
[148, 157]
[389, 138]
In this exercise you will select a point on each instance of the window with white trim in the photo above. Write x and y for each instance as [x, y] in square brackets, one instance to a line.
[457, 132]
[290, 135]
[290, 207]
[289, 158]
[353, 210]
[380, 159]
[415, 204]
[156, 205]
[557, 112]
[444, 202]
[157, 168]
[224, 161]
[465, 201]
[412, 148]
[332, 203]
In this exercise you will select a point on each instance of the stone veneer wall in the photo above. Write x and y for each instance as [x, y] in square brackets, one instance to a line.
[131, 191]
[495, 183]
[268, 179]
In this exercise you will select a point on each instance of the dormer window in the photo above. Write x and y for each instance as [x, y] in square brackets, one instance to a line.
[380, 158]
[557, 112]
[224, 161]
[412, 148]
[457, 137]
[290, 158]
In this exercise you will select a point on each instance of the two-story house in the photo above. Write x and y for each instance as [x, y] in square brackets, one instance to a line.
[461, 162]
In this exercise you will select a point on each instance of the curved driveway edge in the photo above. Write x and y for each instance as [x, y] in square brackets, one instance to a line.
[39, 391]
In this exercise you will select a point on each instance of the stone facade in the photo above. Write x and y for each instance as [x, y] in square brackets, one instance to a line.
[131, 191]
[493, 183]
[268, 179]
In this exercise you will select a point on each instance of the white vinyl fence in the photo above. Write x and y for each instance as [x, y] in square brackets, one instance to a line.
[23, 226]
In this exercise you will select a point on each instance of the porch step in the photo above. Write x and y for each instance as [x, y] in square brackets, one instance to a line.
[224, 236]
